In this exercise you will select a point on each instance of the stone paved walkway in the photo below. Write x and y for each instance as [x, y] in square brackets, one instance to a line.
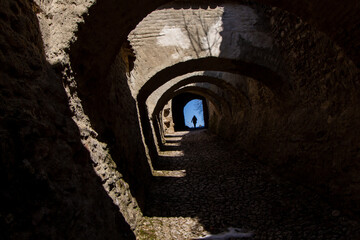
[203, 189]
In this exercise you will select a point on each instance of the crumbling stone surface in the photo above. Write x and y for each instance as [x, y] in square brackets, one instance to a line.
[49, 189]
[299, 133]
[114, 20]
[199, 32]
[59, 21]
[293, 123]
[98, 107]
[168, 123]
[75, 174]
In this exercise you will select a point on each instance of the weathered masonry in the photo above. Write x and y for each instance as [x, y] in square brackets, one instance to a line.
[86, 91]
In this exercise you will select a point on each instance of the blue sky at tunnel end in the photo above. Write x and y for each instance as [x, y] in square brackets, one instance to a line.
[194, 107]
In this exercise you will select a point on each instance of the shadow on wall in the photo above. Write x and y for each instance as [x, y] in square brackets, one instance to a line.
[112, 113]
[49, 189]
[300, 135]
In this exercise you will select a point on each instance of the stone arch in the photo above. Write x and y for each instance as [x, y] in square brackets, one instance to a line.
[166, 96]
[114, 20]
[170, 93]
[263, 74]
[37, 108]
[216, 101]
[221, 107]
[196, 33]
[97, 53]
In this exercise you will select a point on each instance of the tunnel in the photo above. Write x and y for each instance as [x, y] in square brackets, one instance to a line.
[178, 104]
[93, 138]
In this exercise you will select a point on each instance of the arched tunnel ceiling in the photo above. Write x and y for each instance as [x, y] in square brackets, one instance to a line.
[170, 48]
[160, 97]
[113, 20]
[229, 31]
[206, 93]
[219, 103]
[71, 149]
[263, 74]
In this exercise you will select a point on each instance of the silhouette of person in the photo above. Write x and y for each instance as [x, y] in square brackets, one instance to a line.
[194, 120]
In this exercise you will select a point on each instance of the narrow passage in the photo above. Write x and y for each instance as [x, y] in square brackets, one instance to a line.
[203, 188]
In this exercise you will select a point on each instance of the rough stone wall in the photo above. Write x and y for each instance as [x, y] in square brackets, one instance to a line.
[99, 105]
[49, 189]
[327, 97]
[168, 123]
[177, 33]
[216, 79]
[113, 114]
[226, 86]
[47, 170]
[311, 135]
[113, 20]
[112, 138]
[59, 21]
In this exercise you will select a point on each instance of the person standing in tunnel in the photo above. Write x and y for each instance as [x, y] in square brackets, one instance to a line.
[194, 120]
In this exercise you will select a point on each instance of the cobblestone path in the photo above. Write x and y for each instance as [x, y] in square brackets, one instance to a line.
[203, 189]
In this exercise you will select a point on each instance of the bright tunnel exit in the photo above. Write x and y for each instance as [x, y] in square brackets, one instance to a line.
[191, 109]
